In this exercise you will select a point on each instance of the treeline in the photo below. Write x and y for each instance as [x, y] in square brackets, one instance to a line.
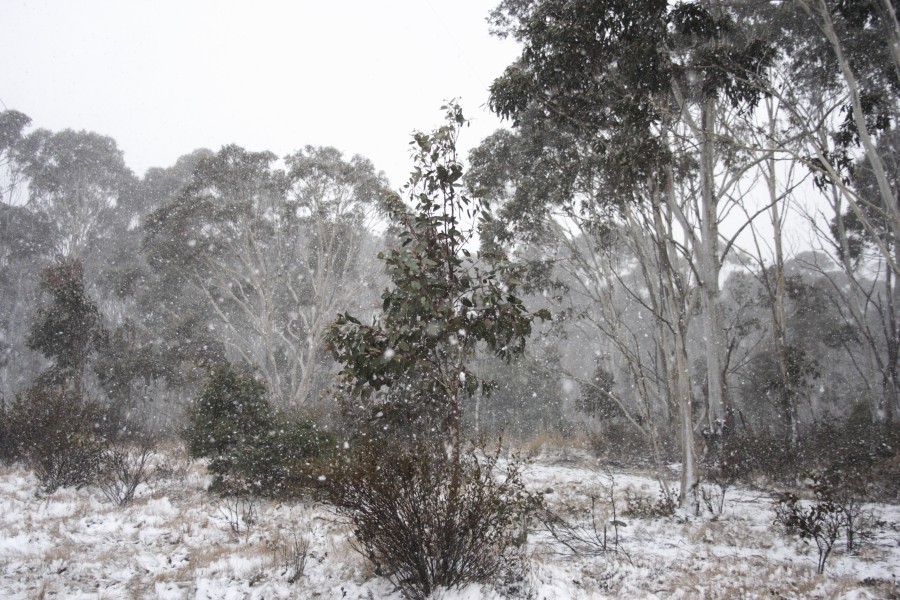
[233, 256]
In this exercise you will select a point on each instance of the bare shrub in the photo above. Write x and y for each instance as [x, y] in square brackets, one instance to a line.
[289, 555]
[859, 521]
[600, 535]
[239, 512]
[123, 469]
[421, 531]
[821, 521]
[712, 494]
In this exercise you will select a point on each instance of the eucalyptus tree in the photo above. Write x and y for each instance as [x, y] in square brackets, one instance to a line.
[640, 89]
[626, 79]
[270, 254]
[866, 284]
[626, 288]
[80, 181]
[839, 78]
[26, 243]
[12, 130]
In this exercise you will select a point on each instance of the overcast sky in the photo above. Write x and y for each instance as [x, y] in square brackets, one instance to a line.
[165, 77]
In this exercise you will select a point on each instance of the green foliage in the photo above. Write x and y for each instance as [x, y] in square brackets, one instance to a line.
[252, 449]
[285, 463]
[442, 302]
[68, 328]
[606, 72]
[232, 412]
[58, 433]
[595, 399]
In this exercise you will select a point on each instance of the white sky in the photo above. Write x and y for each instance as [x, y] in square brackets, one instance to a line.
[165, 77]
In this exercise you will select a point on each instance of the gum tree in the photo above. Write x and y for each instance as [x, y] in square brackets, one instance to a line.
[443, 301]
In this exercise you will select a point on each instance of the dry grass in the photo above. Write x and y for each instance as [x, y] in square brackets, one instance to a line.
[552, 445]
[74, 542]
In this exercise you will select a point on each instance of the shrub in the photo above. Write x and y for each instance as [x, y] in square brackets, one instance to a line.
[123, 468]
[419, 531]
[821, 521]
[644, 507]
[252, 449]
[231, 412]
[284, 463]
[57, 432]
[619, 442]
[853, 454]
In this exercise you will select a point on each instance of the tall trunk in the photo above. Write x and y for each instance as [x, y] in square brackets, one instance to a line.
[718, 417]
[675, 312]
[779, 325]
[891, 384]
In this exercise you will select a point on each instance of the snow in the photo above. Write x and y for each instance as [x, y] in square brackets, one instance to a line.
[174, 542]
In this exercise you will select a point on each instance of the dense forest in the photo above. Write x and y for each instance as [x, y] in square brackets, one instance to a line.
[680, 251]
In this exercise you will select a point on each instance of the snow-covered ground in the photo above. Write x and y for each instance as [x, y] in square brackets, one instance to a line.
[175, 541]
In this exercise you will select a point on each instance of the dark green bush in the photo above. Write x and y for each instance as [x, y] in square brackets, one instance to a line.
[58, 433]
[252, 449]
[285, 463]
[232, 412]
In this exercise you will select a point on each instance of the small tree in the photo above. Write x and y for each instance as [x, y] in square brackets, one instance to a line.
[442, 302]
[252, 449]
[410, 367]
[67, 329]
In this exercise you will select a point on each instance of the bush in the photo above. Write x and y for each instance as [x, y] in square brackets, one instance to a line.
[283, 464]
[645, 507]
[821, 521]
[419, 531]
[619, 442]
[252, 449]
[854, 455]
[123, 468]
[58, 434]
[232, 412]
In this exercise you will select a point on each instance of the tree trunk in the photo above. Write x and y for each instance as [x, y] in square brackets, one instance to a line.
[718, 418]
[779, 324]
[676, 310]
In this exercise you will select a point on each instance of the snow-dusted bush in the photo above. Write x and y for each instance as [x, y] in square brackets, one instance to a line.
[57, 432]
[820, 520]
[421, 531]
[252, 449]
[646, 507]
